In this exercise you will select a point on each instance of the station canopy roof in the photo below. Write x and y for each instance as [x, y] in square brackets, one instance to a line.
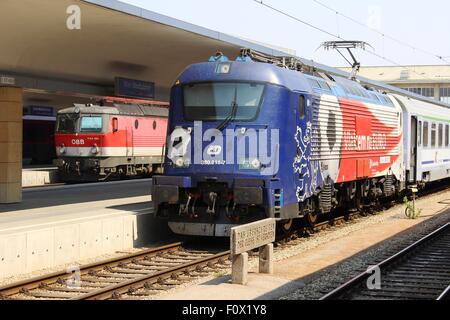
[407, 74]
[115, 39]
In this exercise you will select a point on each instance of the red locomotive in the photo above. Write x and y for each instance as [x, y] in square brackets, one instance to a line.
[97, 142]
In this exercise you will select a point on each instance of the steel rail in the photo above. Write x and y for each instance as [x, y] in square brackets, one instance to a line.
[445, 295]
[349, 285]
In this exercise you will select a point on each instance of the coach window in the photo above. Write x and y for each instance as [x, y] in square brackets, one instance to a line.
[425, 134]
[433, 134]
[441, 132]
[419, 141]
[447, 135]
[301, 107]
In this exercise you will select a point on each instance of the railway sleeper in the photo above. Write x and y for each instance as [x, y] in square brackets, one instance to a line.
[425, 285]
[398, 295]
[115, 275]
[102, 280]
[413, 280]
[424, 262]
[407, 289]
[415, 276]
[133, 271]
[68, 289]
[52, 295]
[422, 269]
[389, 296]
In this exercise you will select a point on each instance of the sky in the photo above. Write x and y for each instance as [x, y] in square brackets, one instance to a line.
[423, 25]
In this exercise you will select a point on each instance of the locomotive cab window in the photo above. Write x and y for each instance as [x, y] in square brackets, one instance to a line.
[66, 123]
[301, 107]
[217, 101]
[91, 124]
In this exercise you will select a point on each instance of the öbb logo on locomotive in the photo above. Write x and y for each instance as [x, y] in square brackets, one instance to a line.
[79, 142]
[293, 145]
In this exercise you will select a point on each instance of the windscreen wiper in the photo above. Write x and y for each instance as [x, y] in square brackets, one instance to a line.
[232, 115]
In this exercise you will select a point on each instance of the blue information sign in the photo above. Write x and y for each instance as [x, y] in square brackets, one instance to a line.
[41, 111]
[134, 88]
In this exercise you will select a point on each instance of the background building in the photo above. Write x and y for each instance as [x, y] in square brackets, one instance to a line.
[428, 81]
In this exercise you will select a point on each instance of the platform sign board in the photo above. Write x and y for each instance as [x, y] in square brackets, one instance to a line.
[41, 111]
[251, 236]
[6, 80]
[131, 88]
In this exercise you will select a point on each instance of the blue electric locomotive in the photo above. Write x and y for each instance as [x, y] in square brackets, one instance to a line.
[250, 140]
[253, 105]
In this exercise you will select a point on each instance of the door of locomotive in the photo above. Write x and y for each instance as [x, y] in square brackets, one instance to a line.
[303, 170]
[130, 137]
[415, 142]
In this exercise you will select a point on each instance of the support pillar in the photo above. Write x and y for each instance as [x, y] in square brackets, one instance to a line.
[11, 114]
[437, 92]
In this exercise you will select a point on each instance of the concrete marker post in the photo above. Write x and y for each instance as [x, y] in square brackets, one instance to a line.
[239, 274]
[260, 234]
[266, 259]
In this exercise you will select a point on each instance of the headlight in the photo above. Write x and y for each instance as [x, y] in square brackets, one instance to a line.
[223, 68]
[94, 149]
[181, 163]
[256, 164]
[62, 149]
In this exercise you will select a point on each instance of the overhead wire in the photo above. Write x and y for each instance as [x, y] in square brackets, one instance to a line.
[383, 34]
[336, 36]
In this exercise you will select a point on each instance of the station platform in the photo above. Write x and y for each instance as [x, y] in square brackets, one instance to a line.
[39, 176]
[57, 225]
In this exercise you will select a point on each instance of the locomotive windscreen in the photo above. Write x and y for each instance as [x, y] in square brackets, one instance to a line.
[91, 124]
[216, 101]
[67, 123]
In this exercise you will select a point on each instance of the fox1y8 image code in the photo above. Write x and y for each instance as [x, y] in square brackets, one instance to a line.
[231, 309]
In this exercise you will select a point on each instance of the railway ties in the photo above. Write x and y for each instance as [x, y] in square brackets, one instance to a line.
[419, 272]
[133, 276]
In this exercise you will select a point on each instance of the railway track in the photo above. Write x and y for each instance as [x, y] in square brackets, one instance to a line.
[138, 275]
[134, 276]
[152, 271]
[418, 272]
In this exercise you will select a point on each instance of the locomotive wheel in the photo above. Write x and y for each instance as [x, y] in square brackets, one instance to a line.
[312, 218]
[286, 226]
